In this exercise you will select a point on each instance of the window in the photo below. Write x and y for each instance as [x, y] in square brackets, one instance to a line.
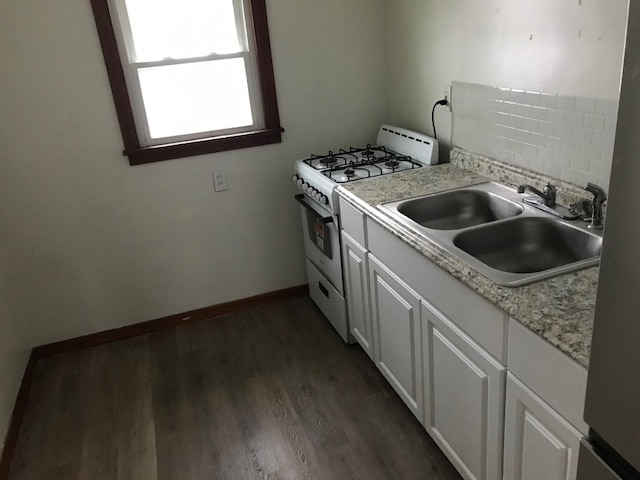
[189, 77]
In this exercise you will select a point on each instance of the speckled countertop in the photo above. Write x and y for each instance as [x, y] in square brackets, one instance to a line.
[560, 309]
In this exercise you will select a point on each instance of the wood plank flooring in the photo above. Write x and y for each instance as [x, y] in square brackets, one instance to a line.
[268, 393]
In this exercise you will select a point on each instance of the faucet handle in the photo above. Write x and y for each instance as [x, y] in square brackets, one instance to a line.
[598, 193]
[550, 191]
[599, 197]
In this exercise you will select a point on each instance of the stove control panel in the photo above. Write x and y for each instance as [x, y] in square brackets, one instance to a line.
[311, 191]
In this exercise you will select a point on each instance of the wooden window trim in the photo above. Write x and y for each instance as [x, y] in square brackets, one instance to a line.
[139, 154]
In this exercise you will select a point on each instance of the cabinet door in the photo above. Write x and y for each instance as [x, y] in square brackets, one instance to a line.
[538, 442]
[395, 310]
[463, 392]
[356, 279]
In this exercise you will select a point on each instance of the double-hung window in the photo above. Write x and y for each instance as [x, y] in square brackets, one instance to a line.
[189, 76]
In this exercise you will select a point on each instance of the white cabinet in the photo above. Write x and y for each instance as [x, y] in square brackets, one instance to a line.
[356, 278]
[445, 351]
[539, 443]
[544, 409]
[395, 311]
[463, 393]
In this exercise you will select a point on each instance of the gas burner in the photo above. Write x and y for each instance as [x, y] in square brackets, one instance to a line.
[392, 164]
[329, 160]
[349, 172]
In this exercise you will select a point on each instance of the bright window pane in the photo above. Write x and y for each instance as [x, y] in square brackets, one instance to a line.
[181, 29]
[196, 97]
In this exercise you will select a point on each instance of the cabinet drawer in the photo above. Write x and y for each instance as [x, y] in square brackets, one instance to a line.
[480, 319]
[556, 378]
[352, 221]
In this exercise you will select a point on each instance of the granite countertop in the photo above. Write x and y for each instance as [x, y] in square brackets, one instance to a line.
[560, 309]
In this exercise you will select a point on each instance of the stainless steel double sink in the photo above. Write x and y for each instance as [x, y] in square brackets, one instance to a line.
[488, 227]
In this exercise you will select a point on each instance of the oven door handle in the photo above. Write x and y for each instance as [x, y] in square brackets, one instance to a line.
[300, 199]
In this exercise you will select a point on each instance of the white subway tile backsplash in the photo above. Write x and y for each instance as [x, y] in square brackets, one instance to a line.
[595, 122]
[561, 158]
[586, 105]
[510, 107]
[572, 148]
[539, 113]
[554, 143]
[592, 152]
[567, 103]
[532, 98]
[555, 116]
[574, 118]
[607, 107]
[561, 135]
[610, 125]
[537, 165]
[545, 155]
[588, 178]
[604, 139]
[583, 135]
[537, 139]
[517, 96]
[523, 109]
[553, 170]
[529, 150]
[549, 101]
[580, 163]
[570, 175]
[600, 169]
[564, 131]
[546, 128]
[530, 124]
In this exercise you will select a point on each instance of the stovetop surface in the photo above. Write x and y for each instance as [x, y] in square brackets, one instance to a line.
[357, 163]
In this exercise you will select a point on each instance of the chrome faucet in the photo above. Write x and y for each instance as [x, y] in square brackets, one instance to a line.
[548, 195]
[599, 197]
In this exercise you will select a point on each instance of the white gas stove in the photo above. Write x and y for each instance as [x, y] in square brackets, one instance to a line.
[318, 176]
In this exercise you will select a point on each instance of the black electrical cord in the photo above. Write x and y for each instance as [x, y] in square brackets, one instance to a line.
[444, 101]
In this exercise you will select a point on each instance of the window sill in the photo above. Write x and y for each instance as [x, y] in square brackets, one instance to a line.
[170, 151]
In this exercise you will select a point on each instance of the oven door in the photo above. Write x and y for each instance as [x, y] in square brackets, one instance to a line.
[322, 240]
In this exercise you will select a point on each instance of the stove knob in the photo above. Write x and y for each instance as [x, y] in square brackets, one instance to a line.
[323, 199]
[305, 187]
[295, 178]
[312, 192]
[318, 196]
[299, 181]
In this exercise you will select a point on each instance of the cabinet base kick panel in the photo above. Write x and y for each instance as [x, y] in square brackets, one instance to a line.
[329, 300]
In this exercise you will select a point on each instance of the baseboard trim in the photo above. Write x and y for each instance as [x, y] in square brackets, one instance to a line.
[130, 331]
[19, 409]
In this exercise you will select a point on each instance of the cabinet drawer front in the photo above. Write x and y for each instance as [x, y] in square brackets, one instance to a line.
[480, 319]
[464, 388]
[539, 443]
[352, 221]
[556, 378]
[396, 321]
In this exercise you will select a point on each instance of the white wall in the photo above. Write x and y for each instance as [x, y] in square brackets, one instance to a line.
[564, 47]
[95, 244]
[15, 346]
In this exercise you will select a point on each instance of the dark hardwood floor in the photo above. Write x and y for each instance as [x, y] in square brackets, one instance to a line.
[268, 393]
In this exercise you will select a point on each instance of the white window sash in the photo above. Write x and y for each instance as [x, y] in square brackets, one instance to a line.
[246, 40]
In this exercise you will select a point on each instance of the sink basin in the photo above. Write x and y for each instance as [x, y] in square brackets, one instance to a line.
[458, 209]
[529, 245]
[491, 229]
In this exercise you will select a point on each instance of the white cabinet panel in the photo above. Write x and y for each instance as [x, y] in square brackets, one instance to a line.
[396, 319]
[356, 278]
[463, 391]
[539, 443]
